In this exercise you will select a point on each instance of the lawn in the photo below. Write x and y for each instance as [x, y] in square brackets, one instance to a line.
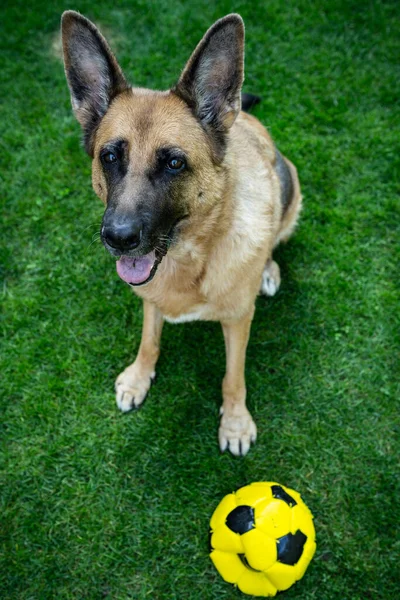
[100, 505]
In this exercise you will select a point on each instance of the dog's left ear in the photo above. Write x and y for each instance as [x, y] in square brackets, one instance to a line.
[212, 79]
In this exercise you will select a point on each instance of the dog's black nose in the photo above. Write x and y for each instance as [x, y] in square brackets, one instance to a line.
[122, 233]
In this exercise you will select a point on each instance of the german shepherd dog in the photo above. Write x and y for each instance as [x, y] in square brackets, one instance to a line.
[196, 198]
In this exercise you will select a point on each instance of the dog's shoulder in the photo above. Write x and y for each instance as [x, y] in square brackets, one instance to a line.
[260, 163]
[250, 134]
[256, 191]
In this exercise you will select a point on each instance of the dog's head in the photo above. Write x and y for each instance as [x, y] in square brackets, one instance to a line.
[155, 154]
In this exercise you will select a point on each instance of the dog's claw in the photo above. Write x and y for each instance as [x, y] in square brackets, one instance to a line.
[127, 402]
[223, 444]
[131, 388]
[237, 433]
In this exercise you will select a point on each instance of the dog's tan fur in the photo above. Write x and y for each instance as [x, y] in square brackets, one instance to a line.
[224, 249]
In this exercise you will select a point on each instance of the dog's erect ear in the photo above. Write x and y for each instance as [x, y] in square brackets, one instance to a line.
[212, 79]
[93, 74]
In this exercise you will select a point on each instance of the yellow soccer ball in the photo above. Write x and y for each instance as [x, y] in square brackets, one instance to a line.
[262, 538]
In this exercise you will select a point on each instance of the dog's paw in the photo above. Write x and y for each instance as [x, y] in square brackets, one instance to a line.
[131, 387]
[271, 278]
[236, 432]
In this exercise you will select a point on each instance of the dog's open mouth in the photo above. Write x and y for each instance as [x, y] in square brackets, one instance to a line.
[140, 269]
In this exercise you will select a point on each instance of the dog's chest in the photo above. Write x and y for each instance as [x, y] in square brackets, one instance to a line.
[200, 313]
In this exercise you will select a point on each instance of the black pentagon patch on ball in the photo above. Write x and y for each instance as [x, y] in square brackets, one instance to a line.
[279, 493]
[241, 519]
[290, 547]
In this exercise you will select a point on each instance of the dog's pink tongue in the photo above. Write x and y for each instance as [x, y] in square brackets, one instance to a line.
[136, 270]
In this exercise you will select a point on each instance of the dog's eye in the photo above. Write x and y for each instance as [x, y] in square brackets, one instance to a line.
[109, 157]
[174, 165]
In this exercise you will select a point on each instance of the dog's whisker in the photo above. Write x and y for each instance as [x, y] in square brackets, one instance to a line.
[94, 225]
[165, 240]
[94, 241]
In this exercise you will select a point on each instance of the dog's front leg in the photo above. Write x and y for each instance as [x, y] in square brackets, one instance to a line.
[237, 429]
[133, 384]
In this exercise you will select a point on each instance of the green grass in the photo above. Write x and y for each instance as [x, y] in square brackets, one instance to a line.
[96, 504]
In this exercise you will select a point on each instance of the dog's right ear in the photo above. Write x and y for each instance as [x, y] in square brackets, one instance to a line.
[93, 74]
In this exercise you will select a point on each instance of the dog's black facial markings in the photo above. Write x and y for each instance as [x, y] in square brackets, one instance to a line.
[162, 249]
[169, 161]
[114, 161]
[152, 200]
[155, 208]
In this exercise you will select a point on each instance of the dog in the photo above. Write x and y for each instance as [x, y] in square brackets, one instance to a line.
[196, 198]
